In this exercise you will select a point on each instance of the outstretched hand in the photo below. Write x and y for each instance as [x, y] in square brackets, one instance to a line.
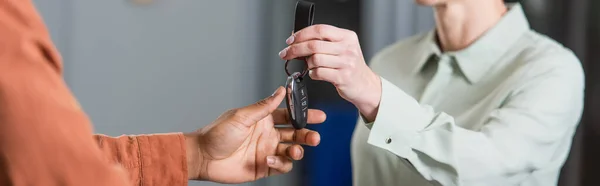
[244, 145]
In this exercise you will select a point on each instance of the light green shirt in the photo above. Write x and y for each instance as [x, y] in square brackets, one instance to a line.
[501, 112]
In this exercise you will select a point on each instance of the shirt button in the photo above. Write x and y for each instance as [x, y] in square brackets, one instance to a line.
[388, 140]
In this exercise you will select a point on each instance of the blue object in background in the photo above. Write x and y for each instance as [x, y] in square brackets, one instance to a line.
[329, 163]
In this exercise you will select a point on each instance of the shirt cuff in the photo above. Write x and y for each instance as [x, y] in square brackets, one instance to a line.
[399, 120]
[367, 124]
[163, 159]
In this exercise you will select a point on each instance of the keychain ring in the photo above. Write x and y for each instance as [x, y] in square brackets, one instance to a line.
[303, 72]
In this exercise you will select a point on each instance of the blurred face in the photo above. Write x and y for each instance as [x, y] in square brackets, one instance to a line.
[441, 2]
[431, 2]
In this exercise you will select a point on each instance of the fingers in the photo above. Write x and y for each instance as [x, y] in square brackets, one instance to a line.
[326, 74]
[261, 109]
[302, 136]
[293, 151]
[309, 48]
[279, 164]
[325, 61]
[282, 163]
[280, 116]
[319, 32]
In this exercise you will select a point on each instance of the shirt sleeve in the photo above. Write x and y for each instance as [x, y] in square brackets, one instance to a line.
[522, 135]
[45, 137]
[157, 159]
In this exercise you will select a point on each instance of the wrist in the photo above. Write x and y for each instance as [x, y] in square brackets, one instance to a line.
[195, 160]
[369, 105]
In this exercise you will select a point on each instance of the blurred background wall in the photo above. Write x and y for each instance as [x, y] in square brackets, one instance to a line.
[148, 66]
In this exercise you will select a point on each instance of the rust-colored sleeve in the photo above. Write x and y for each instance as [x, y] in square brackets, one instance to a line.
[157, 159]
[46, 139]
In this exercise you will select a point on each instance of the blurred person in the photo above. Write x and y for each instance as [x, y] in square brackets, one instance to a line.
[479, 100]
[46, 139]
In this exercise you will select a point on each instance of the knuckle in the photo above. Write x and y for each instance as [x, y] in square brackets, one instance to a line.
[295, 136]
[314, 74]
[314, 46]
[352, 34]
[355, 52]
[346, 74]
[319, 29]
[237, 117]
[291, 50]
[298, 35]
[279, 137]
[338, 81]
[351, 65]
[304, 136]
[316, 59]
[262, 102]
[349, 50]
[322, 29]
[238, 114]
[232, 112]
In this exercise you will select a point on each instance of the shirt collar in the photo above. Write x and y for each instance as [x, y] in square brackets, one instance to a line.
[477, 59]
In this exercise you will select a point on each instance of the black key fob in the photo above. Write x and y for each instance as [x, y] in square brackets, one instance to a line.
[297, 100]
[296, 94]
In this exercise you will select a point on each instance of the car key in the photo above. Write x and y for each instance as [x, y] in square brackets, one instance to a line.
[297, 100]
[296, 92]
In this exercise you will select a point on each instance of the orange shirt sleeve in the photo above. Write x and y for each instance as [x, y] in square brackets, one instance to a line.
[45, 137]
[157, 159]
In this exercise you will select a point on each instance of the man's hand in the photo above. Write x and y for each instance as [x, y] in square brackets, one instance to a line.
[334, 55]
[243, 144]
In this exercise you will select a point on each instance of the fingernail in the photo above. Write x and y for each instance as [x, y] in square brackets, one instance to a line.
[270, 160]
[277, 91]
[283, 52]
[290, 40]
[317, 139]
[299, 153]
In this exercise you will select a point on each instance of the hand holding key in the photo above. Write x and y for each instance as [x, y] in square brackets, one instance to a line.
[296, 93]
[334, 55]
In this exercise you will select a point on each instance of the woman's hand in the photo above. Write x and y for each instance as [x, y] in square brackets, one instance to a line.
[334, 55]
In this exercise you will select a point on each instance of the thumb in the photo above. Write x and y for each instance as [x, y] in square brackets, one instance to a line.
[261, 109]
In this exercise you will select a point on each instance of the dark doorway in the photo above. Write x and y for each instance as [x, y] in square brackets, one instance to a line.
[329, 163]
